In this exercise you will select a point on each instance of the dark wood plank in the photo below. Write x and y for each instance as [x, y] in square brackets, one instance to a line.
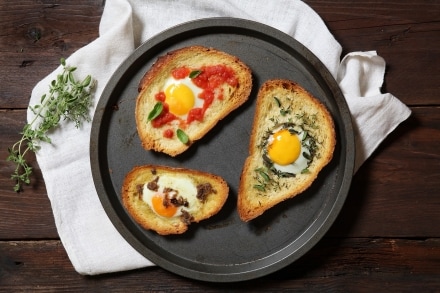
[25, 215]
[397, 30]
[397, 191]
[387, 236]
[35, 35]
[348, 265]
[385, 199]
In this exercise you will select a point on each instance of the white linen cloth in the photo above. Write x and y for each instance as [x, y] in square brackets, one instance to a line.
[92, 243]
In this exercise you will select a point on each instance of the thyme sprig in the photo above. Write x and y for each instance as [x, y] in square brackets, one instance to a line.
[68, 99]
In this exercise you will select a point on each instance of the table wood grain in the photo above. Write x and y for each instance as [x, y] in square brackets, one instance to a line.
[387, 237]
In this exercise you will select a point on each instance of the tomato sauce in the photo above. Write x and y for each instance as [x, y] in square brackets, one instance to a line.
[181, 72]
[164, 117]
[195, 114]
[168, 133]
[160, 97]
[209, 79]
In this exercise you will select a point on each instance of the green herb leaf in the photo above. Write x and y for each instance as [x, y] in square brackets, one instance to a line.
[305, 171]
[307, 156]
[260, 187]
[157, 109]
[304, 135]
[263, 174]
[182, 136]
[87, 81]
[67, 100]
[284, 112]
[285, 175]
[194, 73]
[277, 101]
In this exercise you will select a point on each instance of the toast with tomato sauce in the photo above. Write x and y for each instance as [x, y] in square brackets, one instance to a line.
[185, 94]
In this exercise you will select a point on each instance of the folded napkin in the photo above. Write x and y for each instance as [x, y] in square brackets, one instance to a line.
[92, 243]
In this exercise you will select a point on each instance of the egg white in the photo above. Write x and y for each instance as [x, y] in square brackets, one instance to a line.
[301, 162]
[198, 103]
[185, 187]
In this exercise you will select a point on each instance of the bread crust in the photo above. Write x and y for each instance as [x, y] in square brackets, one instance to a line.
[251, 202]
[148, 219]
[153, 81]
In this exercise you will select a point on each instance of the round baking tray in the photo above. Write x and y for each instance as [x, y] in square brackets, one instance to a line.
[223, 248]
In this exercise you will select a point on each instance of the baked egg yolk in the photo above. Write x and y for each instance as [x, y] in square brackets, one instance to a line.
[180, 98]
[162, 210]
[285, 147]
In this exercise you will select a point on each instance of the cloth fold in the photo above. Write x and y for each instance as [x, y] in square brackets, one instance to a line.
[92, 243]
[375, 115]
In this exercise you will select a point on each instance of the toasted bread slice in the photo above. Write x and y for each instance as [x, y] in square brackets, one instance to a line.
[167, 200]
[200, 63]
[283, 104]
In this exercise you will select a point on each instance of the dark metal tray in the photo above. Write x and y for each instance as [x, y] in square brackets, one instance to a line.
[223, 248]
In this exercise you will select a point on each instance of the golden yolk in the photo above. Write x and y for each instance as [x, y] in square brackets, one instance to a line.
[285, 147]
[164, 211]
[179, 98]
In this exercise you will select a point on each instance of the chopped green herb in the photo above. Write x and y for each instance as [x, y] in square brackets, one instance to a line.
[308, 120]
[305, 171]
[263, 174]
[157, 109]
[307, 156]
[292, 130]
[285, 174]
[182, 136]
[268, 177]
[260, 187]
[304, 135]
[284, 112]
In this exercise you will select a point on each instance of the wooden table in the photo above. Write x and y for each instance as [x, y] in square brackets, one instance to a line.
[387, 237]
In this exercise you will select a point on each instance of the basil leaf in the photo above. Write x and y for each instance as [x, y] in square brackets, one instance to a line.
[194, 73]
[182, 136]
[157, 109]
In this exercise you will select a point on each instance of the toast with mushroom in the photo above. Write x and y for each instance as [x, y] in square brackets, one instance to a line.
[167, 200]
[292, 139]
